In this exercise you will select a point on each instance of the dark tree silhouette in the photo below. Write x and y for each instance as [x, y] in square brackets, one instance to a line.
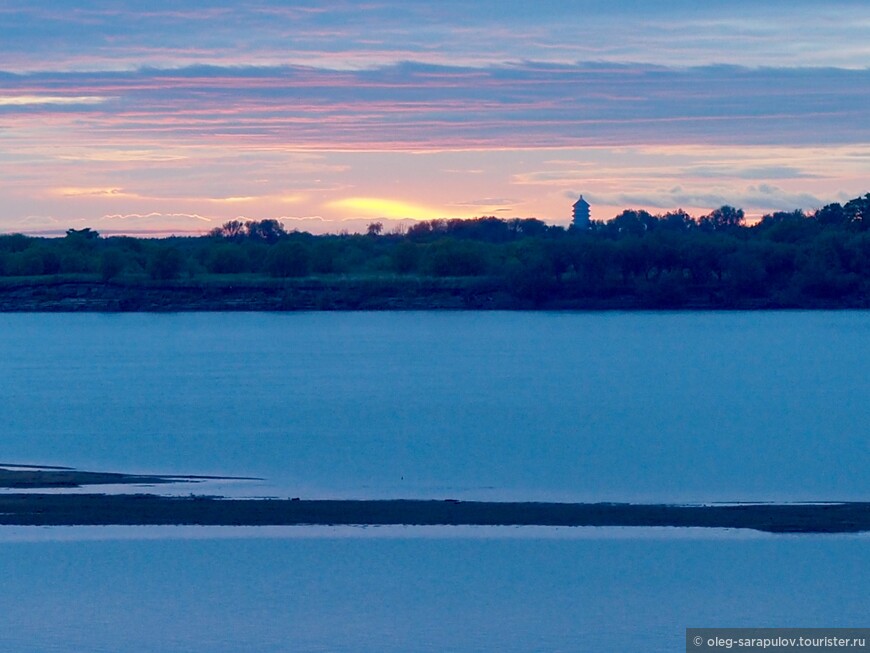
[288, 259]
[725, 218]
[233, 230]
[788, 258]
[269, 231]
[165, 263]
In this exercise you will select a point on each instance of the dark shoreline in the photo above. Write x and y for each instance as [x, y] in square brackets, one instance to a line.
[61, 294]
[145, 509]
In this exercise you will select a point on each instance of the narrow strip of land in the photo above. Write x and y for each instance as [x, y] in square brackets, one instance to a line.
[64, 509]
[20, 477]
[144, 509]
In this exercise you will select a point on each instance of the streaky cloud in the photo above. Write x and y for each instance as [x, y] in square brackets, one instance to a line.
[86, 34]
[762, 197]
[36, 100]
[414, 106]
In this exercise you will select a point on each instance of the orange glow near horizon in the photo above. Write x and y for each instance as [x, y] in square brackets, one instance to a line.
[378, 207]
[325, 151]
[399, 111]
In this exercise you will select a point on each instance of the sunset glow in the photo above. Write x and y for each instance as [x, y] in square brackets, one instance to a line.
[373, 207]
[418, 111]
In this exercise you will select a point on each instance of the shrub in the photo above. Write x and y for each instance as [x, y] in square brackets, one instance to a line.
[287, 259]
[165, 263]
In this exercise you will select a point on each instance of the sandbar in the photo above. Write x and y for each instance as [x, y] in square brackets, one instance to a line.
[57, 508]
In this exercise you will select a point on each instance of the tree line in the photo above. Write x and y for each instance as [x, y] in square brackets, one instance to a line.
[666, 260]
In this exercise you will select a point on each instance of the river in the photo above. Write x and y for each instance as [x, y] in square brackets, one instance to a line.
[660, 407]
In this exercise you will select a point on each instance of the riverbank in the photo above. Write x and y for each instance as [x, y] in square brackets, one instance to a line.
[83, 294]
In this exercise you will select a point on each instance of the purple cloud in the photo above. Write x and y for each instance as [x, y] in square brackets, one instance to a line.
[414, 106]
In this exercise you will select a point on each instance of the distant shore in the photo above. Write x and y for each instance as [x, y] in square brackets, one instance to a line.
[634, 261]
[65, 294]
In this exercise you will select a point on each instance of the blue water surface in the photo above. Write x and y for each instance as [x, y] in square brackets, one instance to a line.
[709, 406]
[431, 594]
[581, 406]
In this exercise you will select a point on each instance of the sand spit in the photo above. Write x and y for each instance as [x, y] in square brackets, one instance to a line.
[145, 509]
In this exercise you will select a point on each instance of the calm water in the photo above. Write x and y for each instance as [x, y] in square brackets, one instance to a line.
[663, 407]
[404, 594]
[618, 406]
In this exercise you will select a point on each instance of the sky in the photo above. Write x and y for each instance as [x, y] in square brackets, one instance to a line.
[330, 115]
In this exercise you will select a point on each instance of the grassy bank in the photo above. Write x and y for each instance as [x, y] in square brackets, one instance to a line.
[76, 293]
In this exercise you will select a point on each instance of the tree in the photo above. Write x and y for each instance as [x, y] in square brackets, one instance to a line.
[111, 264]
[788, 227]
[426, 230]
[270, 231]
[406, 257]
[858, 212]
[529, 273]
[831, 214]
[81, 240]
[82, 234]
[374, 228]
[632, 223]
[227, 259]
[529, 227]
[677, 220]
[233, 230]
[165, 263]
[593, 260]
[288, 259]
[449, 257]
[725, 218]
